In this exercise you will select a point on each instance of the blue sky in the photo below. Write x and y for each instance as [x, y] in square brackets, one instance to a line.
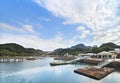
[51, 24]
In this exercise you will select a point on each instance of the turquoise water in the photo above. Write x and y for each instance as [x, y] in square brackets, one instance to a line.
[39, 71]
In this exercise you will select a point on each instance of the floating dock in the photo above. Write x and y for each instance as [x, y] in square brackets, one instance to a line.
[59, 63]
[95, 73]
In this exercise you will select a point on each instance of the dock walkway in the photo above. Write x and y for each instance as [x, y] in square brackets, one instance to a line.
[69, 62]
[104, 63]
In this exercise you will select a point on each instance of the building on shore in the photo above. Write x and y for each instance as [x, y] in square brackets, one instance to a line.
[117, 50]
[106, 55]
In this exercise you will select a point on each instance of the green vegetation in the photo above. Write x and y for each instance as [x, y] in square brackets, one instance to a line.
[81, 48]
[13, 49]
[108, 46]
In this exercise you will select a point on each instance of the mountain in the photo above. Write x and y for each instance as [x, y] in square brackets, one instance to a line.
[80, 46]
[58, 50]
[13, 47]
[74, 50]
[18, 50]
[108, 46]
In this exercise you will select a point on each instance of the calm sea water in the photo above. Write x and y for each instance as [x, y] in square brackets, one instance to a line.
[39, 71]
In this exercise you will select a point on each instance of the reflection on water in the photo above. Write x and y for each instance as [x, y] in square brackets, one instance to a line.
[39, 71]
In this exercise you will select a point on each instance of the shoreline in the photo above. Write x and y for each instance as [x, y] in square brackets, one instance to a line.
[92, 61]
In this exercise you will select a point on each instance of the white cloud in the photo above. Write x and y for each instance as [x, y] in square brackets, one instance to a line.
[81, 28]
[74, 11]
[28, 28]
[10, 27]
[112, 35]
[98, 15]
[83, 32]
[25, 28]
[44, 19]
[33, 41]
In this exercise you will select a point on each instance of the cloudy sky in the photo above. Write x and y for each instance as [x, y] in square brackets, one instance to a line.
[51, 24]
